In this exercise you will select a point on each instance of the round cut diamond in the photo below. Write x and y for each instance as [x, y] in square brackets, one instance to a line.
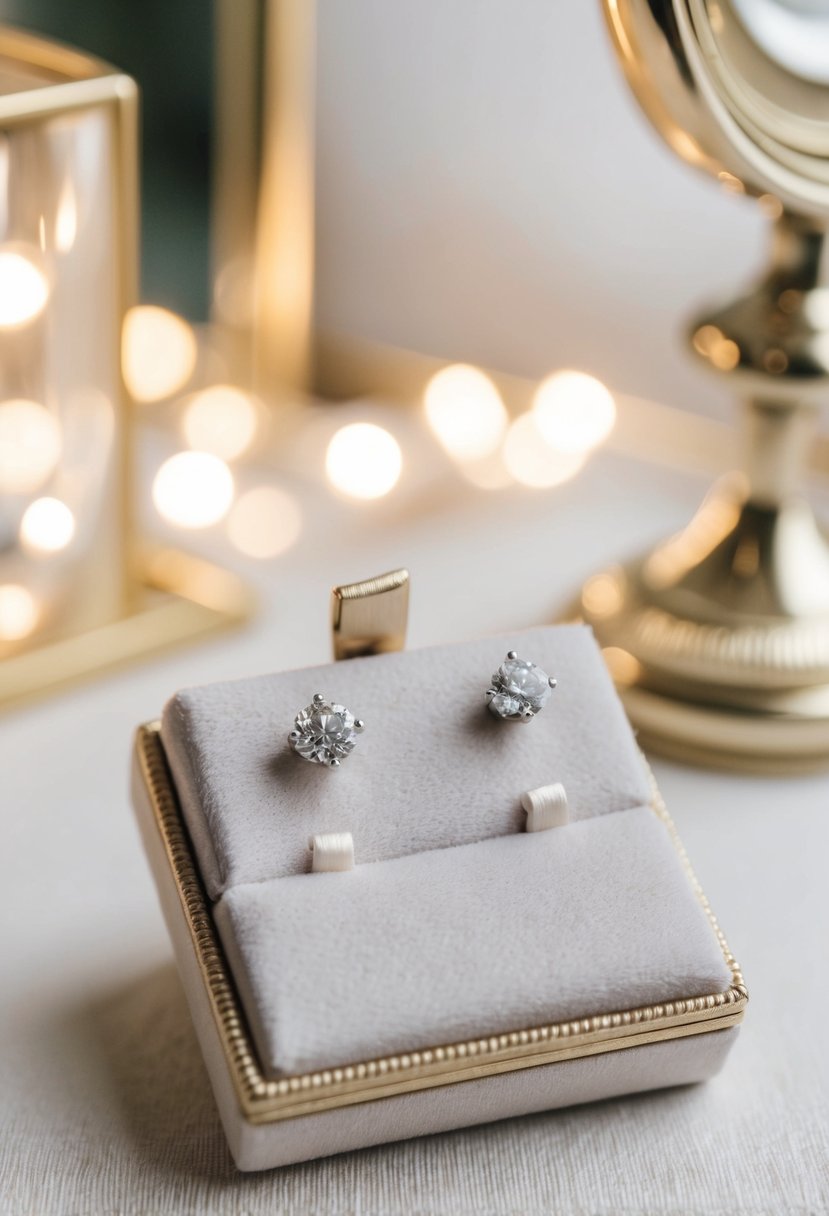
[324, 732]
[519, 689]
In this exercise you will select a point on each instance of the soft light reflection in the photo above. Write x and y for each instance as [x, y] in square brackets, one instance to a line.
[222, 420]
[18, 612]
[713, 522]
[488, 473]
[726, 355]
[193, 490]
[731, 183]
[30, 445]
[363, 461]
[573, 411]
[775, 361]
[623, 666]
[603, 595]
[465, 412]
[815, 305]
[710, 342]
[233, 292]
[265, 522]
[158, 352]
[685, 146]
[531, 460]
[66, 222]
[23, 289]
[771, 206]
[706, 338]
[47, 526]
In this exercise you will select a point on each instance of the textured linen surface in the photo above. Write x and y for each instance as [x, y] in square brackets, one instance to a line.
[433, 768]
[105, 1106]
[475, 940]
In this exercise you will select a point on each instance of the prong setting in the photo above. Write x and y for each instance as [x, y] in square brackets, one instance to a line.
[520, 689]
[325, 732]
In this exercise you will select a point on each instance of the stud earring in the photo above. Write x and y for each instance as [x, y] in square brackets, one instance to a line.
[520, 689]
[325, 733]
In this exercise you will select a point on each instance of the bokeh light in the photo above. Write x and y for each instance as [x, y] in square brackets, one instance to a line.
[465, 411]
[623, 666]
[531, 460]
[488, 473]
[18, 612]
[222, 420]
[710, 342]
[363, 461]
[193, 490]
[47, 526]
[603, 594]
[30, 445]
[23, 289]
[265, 522]
[574, 412]
[158, 352]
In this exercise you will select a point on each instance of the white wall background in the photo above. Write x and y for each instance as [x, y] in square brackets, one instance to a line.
[488, 190]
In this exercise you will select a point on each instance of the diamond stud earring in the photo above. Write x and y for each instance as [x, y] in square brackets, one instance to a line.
[325, 733]
[520, 689]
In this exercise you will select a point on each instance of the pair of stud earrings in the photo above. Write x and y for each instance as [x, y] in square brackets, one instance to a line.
[325, 733]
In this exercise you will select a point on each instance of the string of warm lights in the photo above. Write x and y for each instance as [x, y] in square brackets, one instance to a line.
[30, 445]
[571, 414]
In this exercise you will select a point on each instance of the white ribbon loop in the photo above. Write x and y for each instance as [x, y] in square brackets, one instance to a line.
[331, 852]
[546, 807]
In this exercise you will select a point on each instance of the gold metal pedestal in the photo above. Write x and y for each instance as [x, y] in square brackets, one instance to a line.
[719, 639]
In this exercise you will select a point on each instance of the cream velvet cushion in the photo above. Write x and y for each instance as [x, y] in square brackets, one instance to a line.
[455, 924]
[485, 938]
[433, 769]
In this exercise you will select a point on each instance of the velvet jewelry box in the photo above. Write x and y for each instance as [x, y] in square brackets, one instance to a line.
[465, 969]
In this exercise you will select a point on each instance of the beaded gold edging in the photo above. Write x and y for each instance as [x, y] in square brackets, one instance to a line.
[264, 1100]
[661, 810]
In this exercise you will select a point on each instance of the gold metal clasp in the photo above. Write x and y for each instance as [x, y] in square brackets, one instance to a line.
[370, 617]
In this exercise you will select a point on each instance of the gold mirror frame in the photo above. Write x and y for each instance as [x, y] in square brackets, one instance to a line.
[722, 104]
[719, 639]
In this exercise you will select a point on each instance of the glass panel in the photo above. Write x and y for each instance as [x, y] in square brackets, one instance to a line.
[61, 498]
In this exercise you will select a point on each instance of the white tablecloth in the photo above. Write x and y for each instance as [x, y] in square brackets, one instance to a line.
[104, 1102]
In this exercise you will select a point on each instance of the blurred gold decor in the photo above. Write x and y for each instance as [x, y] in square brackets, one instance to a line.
[75, 594]
[263, 199]
[720, 637]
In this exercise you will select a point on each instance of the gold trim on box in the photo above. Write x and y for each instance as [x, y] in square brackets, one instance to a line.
[267, 1101]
